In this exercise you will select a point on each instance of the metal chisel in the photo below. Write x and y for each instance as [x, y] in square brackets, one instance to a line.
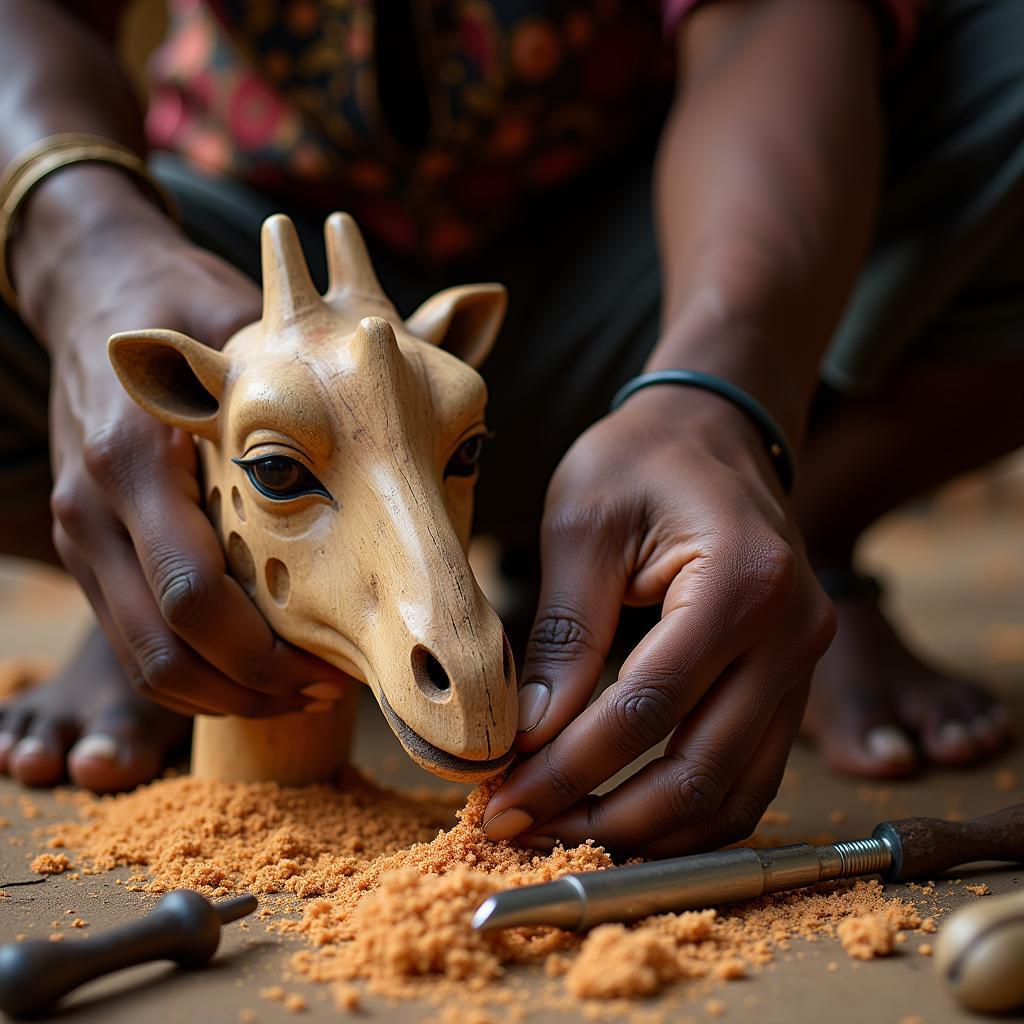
[897, 850]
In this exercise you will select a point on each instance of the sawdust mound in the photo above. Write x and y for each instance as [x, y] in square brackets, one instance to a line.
[226, 837]
[388, 893]
[866, 937]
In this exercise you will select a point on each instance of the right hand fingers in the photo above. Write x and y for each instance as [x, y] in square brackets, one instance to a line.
[183, 564]
[755, 788]
[156, 660]
[582, 583]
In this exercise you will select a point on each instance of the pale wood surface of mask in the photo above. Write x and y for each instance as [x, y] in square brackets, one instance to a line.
[373, 578]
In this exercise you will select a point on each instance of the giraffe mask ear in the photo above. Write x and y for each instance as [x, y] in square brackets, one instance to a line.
[175, 378]
[464, 320]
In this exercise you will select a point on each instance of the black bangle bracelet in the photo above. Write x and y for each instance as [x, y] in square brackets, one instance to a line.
[779, 449]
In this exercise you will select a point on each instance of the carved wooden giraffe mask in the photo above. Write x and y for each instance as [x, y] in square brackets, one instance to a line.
[339, 446]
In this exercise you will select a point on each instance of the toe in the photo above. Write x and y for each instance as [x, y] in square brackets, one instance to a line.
[108, 763]
[991, 725]
[862, 737]
[125, 746]
[890, 750]
[987, 733]
[37, 759]
[950, 742]
[12, 729]
[954, 721]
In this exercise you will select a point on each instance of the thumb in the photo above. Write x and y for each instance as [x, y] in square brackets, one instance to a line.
[583, 581]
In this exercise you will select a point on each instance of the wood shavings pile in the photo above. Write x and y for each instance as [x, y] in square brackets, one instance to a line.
[226, 837]
[387, 893]
[51, 864]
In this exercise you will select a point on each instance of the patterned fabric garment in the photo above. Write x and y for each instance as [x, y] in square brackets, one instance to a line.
[432, 125]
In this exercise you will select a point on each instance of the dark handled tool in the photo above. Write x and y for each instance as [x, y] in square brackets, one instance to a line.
[897, 850]
[184, 928]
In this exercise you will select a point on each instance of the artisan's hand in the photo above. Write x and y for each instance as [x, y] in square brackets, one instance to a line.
[126, 499]
[670, 499]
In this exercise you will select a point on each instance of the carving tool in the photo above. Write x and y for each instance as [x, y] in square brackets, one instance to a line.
[897, 850]
[184, 928]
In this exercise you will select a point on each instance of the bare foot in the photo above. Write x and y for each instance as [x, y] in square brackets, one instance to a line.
[89, 724]
[875, 710]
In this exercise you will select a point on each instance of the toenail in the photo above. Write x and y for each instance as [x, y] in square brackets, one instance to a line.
[96, 747]
[30, 746]
[889, 744]
[954, 734]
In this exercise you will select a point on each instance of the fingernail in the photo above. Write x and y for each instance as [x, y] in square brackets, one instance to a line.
[318, 707]
[954, 734]
[97, 747]
[29, 747]
[887, 743]
[534, 699]
[324, 691]
[506, 824]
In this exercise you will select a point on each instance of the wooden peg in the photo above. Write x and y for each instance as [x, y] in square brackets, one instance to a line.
[293, 750]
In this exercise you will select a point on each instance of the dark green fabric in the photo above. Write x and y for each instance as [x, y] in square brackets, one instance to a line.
[946, 274]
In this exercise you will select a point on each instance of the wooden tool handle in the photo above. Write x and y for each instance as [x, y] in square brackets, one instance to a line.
[184, 928]
[923, 847]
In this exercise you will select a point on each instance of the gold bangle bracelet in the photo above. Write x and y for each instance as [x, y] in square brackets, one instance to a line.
[44, 157]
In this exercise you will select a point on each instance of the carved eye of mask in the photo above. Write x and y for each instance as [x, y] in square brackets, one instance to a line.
[281, 478]
[466, 459]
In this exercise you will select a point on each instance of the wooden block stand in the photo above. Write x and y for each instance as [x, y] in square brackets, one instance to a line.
[293, 750]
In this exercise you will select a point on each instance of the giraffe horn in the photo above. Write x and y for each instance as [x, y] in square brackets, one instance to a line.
[288, 292]
[350, 271]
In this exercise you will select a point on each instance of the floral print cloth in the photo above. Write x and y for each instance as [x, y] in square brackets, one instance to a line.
[491, 102]
[520, 96]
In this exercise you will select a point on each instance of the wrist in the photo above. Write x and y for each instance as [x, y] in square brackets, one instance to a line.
[776, 443]
[709, 339]
[66, 229]
[706, 421]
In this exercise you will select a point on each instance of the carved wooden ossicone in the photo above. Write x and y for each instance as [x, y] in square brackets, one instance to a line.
[339, 445]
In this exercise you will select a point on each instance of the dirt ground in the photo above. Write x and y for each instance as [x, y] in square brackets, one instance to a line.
[954, 569]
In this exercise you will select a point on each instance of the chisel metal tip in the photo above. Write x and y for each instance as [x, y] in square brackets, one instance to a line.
[484, 913]
[556, 904]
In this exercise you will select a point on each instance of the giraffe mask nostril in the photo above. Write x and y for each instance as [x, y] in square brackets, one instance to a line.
[430, 675]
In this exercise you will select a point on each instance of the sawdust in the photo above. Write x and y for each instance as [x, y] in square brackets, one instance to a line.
[51, 864]
[867, 936]
[380, 890]
[222, 837]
